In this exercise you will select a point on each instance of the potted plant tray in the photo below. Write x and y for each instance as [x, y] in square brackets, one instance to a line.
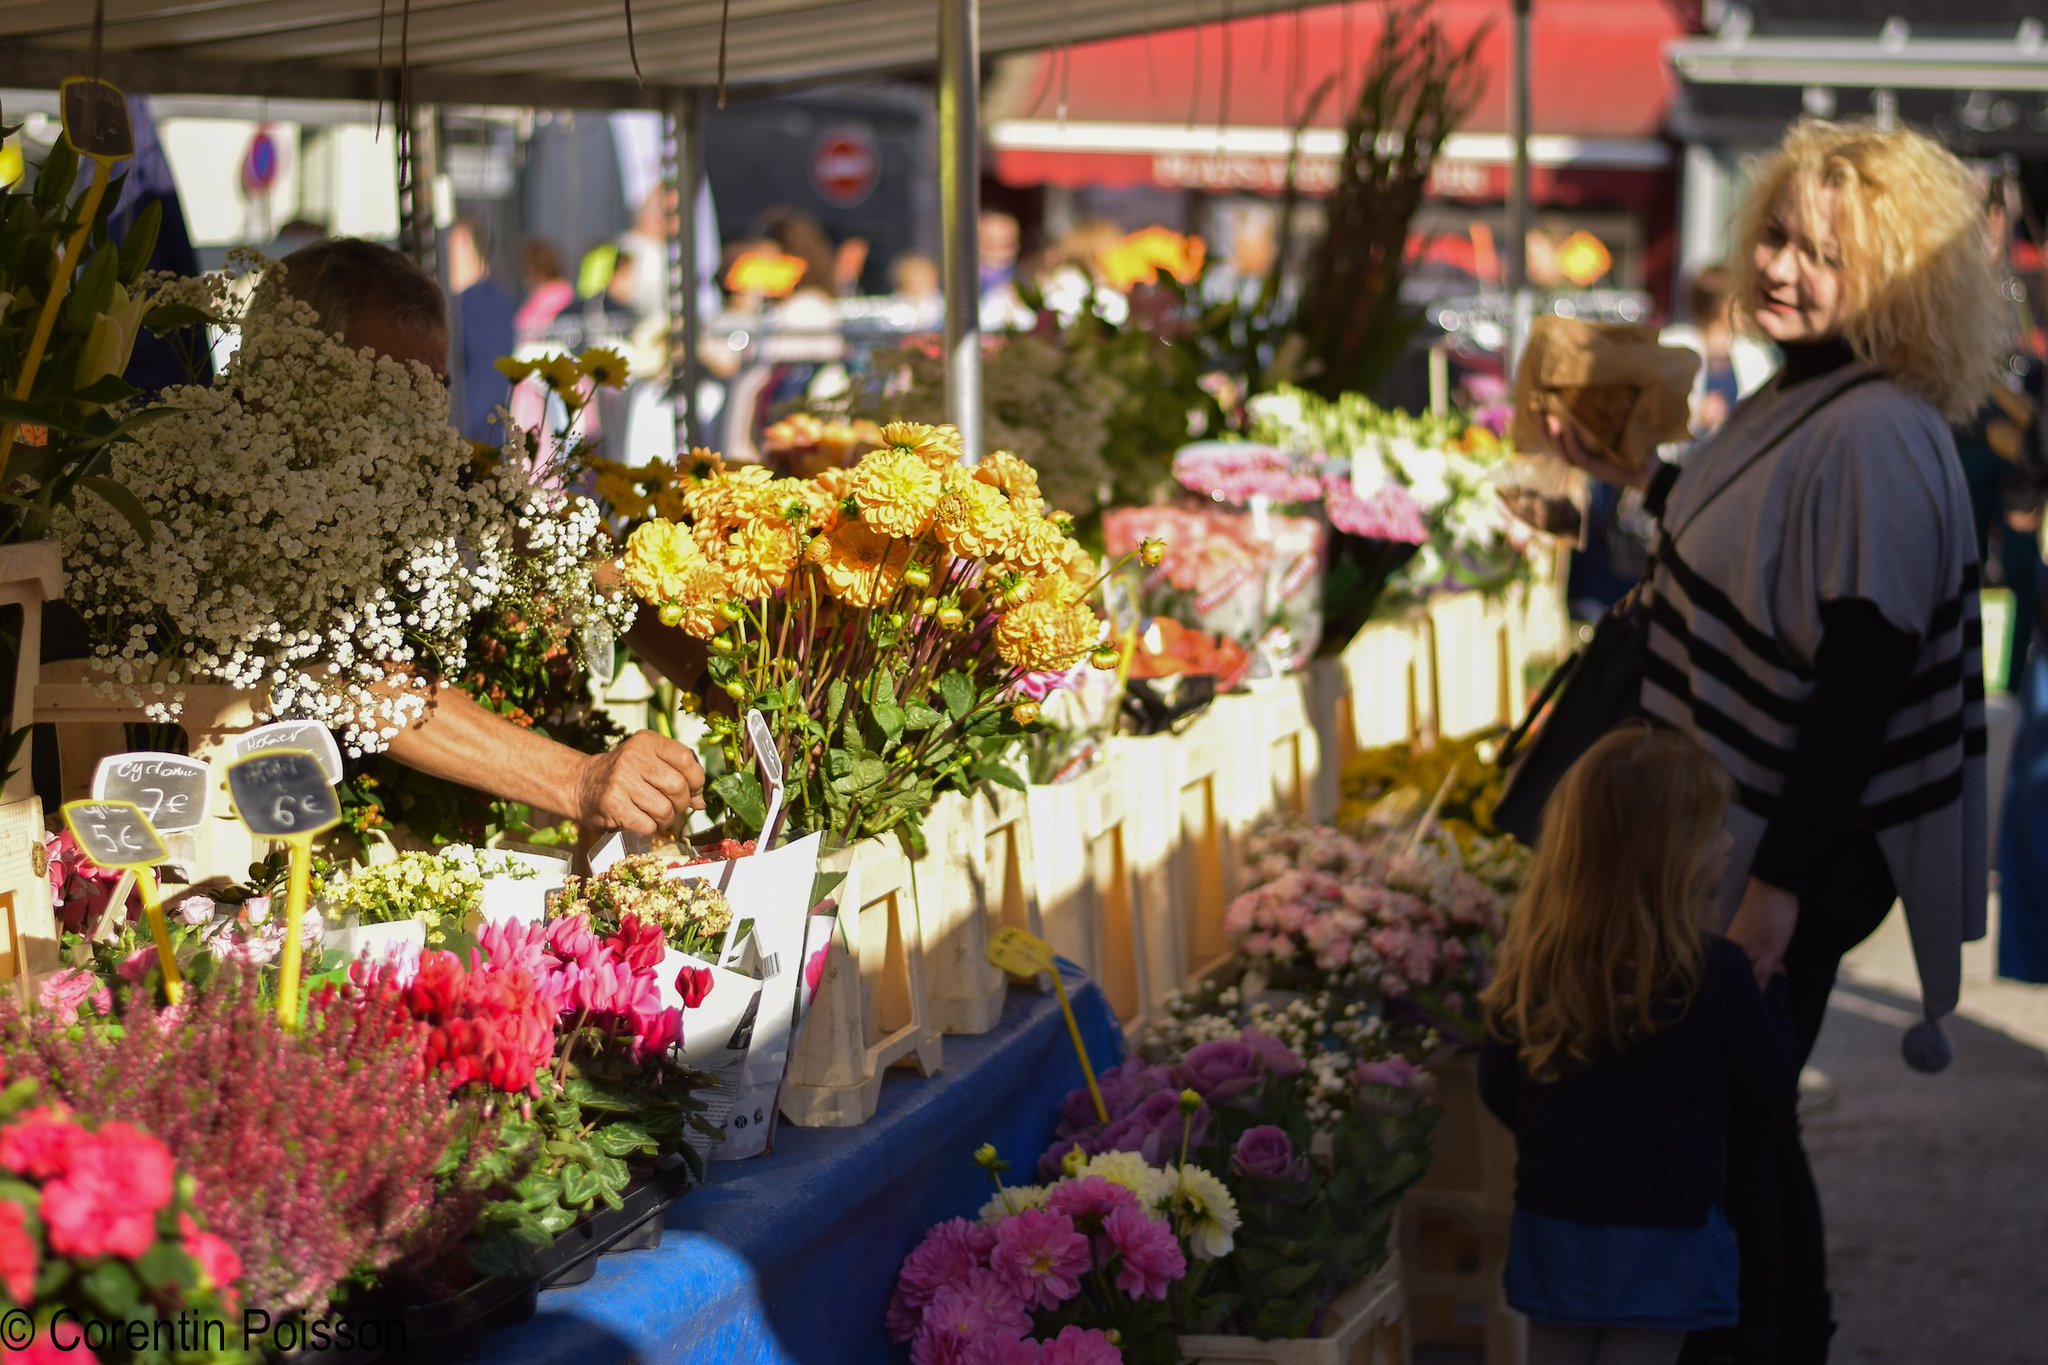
[1363, 1327]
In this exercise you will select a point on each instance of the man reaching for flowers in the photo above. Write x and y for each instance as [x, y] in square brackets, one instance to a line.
[376, 298]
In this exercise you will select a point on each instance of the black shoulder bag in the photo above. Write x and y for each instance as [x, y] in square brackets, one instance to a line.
[1600, 687]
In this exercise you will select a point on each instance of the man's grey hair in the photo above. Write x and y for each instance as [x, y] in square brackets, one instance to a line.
[345, 279]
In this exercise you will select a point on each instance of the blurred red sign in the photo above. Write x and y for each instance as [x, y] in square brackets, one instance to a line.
[844, 167]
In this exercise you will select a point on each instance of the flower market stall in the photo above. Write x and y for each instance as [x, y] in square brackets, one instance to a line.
[1056, 971]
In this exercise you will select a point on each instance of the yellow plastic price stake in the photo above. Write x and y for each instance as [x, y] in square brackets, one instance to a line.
[1022, 954]
[284, 794]
[96, 126]
[117, 834]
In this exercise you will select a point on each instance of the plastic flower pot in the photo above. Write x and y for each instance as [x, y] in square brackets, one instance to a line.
[354, 939]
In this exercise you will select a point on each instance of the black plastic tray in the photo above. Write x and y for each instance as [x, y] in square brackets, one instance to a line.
[450, 1329]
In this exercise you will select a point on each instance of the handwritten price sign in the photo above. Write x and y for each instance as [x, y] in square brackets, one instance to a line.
[285, 794]
[304, 735]
[117, 834]
[170, 789]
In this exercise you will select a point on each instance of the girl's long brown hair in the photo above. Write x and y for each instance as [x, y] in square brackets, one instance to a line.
[1608, 931]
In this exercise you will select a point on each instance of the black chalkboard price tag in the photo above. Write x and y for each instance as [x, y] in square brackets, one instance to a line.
[171, 789]
[283, 794]
[115, 834]
[118, 834]
[96, 119]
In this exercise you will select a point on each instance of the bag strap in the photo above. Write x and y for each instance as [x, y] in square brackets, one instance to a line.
[1854, 377]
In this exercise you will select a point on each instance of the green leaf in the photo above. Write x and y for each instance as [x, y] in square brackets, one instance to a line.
[959, 693]
[623, 1139]
[170, 317]
[140, 242]
[93, 294]
[891, 719]
[1001, 774]
[106, 391]
[769, 702]
[885, 687]
[743, 796]
[112, 1286]
[917, 716]
[579, 1186]
[117, 496]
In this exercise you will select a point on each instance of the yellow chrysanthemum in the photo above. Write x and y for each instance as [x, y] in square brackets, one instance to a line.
[659, 557]
[860, 565]
[974, 520]
[1035, 545]
[897, 492]
[805, 505]
[604, 367]
[938, 447]
[1080, 567]
[514, 368]
[757, 558]
[699, 595]
[836, 483]
[1049, 632]
[727, 499]
[1003, 470]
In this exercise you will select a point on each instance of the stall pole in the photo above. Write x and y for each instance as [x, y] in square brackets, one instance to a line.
[418, 167]
[683, 173]
[960, 196]
[1519, 302]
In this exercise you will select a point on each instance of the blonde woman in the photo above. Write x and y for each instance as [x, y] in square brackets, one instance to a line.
[1813, 613]
[1625, 1048]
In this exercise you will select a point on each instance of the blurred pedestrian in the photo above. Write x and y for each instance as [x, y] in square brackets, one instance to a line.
[484, 329]
[548, 291]
[1732, 366]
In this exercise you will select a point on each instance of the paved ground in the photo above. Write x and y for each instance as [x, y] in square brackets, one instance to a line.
[1936, 1187]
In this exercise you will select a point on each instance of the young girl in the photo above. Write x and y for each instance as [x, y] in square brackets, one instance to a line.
[1625, 1045]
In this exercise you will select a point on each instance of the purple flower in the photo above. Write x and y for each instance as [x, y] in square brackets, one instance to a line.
[1277, 1057]
[1219, 1071]
[948, 1254]
[1267, 1153]
[1041, 1257]
[1153, 1129]
[1398, 1072]
[954, 1322]
[1080, 1346]
[1148, 1255]
[1091, 1197]
[1124, 1086]
[1012, 1315]
[991, 1351]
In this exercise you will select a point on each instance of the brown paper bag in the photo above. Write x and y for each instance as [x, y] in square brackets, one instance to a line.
[1623, 393]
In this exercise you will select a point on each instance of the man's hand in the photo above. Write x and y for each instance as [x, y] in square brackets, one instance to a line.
[1763, 926]
[644, 786]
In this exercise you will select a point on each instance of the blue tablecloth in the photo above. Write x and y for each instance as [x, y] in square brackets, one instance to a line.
[788, 1259]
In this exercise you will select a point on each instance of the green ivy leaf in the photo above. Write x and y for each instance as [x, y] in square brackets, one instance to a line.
[579, 1186]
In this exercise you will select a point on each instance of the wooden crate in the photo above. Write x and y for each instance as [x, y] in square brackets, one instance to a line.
[30, 576]
[972, 882]
[1290, 751]
[1183, 842]
[872, 1009]
[91, 725]
[1468, 642]
[1081, 880]
[1364, 1328]
[1389, 685]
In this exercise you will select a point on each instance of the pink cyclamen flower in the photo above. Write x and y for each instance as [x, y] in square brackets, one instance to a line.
[1041, 1257]
[1080, 1346]
[134, 968]
[194, 910]
[1149, 1258]
[255, 910]
[18, 1254]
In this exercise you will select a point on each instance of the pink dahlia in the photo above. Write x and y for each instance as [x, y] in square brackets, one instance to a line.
[1080, 1346]
[1149, 1255]
[1092, 1197]
[948, 1254]
[1041, 1257]
[954, 1322]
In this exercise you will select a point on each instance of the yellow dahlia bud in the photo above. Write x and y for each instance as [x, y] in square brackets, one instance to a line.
[736, 689]
[1025, 712]
[928, 607]
[951, 617]
[918, 576]
[1152, 551]
[1106, 658]
[731, 611]
[723, 644]
[671, 613]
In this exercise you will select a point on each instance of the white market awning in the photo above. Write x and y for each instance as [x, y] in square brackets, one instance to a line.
[537, 52]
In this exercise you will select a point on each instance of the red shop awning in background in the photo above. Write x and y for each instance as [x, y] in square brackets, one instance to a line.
[1211, 107]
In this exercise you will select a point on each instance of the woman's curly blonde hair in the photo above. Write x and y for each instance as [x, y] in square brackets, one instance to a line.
[1921, 301]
